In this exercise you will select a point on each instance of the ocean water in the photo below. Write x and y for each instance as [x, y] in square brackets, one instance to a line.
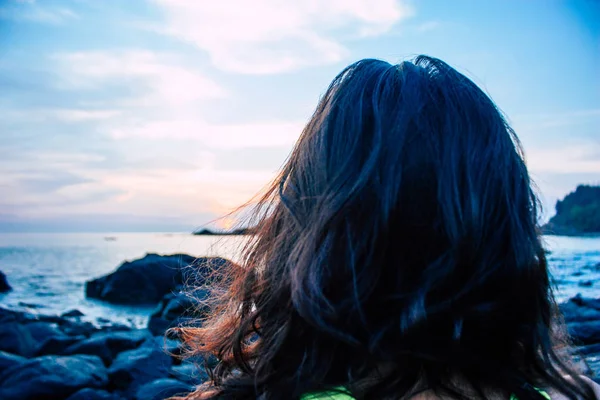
[48, 271]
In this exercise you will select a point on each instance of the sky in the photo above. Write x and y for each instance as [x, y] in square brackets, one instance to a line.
[165, 115]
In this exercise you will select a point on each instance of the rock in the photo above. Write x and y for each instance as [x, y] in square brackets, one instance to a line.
[7, 315]
[578, 214]
[57, 345]
[591, 349]
[4, 286]
[78, 328]
[133, 368]
[107, 345]
[189, 373]
[585, 333]
[93, 394]
[586, 302]
[175, 309]
[593, 363]
[161, 389]
[8, 360]
[579, 309]
[16, 338]
[52, 377]
[42, 331]
[144, 281]
[73, 313]
[30, 305]
[164, 344]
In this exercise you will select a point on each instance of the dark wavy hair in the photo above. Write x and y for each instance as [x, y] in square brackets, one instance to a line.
[397, 252]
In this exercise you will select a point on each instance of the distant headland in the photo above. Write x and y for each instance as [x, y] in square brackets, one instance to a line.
[578, 214]
[239, 231]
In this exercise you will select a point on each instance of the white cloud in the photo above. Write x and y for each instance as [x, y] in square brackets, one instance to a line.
[270, 36]
[31, 11]
[581, 158]
[77, 115]
[167, 82]
[45, 188]
[250, 135]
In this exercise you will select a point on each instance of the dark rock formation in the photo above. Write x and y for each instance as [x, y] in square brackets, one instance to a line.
[73, 313]
[189, 373]
[168, 346]
[177, 308]
[147, 280]
[4, 286]
[107, 345]
[15, 338]
[585, 333]
[133, 368]
[41, 331]
[94, 394]
[68, 363]
[238, 231]
[161, 389]
[8, 360]
[52, 377]
[577, 214]
[57, 345]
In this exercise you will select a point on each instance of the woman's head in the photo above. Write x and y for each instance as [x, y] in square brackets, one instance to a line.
[398, 247]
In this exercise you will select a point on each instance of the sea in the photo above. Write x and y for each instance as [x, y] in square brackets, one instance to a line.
[48, 271]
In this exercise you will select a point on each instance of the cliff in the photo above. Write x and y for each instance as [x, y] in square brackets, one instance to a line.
[578, 214]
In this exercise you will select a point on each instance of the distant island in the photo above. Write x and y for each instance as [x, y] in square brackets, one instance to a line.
[239, 231]
[578, 214]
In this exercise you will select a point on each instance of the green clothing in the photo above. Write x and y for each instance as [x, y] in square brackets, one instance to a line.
[343, 394]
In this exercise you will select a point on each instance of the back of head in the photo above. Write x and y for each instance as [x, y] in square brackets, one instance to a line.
[397, 251]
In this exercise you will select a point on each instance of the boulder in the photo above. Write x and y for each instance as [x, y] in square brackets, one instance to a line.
[585, 333]
[147, 280]
[164, 344]
[175, 309]
[73, 313]
[107, 345]
[133, 368]
[42, 331]
[4, 286]
[57, 345]
[189, 373]
[16, 338]
[586, 302]
[52, 377]
[7, 315]
[78, 328]
[161, 389]
[589, 350]
[580, 309]
[93, 394]
[8, 360]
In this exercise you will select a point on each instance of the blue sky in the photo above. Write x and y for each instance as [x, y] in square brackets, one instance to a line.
[166, 114]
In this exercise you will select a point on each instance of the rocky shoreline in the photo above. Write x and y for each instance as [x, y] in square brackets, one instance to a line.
[46, 357]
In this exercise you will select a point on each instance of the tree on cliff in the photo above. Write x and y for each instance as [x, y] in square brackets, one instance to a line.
[577, 213]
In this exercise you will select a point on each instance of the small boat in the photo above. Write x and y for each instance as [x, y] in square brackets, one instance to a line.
[110, 238]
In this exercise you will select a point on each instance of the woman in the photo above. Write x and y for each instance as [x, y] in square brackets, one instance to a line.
[397, 256]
